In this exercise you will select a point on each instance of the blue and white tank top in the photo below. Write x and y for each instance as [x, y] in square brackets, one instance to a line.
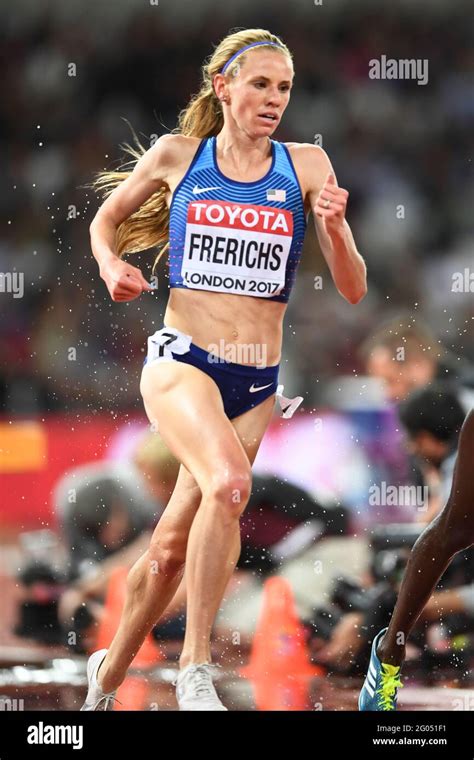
[236, 237]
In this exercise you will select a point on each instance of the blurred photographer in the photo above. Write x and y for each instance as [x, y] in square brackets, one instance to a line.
[432, 417]
[107, 512]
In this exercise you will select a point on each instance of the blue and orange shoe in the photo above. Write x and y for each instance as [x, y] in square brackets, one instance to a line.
[382, 682]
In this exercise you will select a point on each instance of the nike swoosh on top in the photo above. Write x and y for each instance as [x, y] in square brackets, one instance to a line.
[197, 189]
[253, 389]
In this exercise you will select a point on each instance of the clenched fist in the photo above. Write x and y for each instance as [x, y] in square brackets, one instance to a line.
[124, 281]
[331, 204]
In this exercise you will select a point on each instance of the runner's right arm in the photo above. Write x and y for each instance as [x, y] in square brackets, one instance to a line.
[124, 281]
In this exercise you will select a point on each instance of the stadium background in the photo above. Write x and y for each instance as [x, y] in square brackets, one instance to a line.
[393, 143]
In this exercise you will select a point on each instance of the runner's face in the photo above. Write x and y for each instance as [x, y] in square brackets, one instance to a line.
[262, 86]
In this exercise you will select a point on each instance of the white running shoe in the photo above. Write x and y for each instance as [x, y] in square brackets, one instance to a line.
[195, 690]
[97, 699]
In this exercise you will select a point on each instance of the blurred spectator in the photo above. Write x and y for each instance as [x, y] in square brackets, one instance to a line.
[405, 354]
[108, 512]
[433, 417]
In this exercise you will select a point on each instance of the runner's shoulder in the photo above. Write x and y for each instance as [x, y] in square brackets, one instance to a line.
[172, 149]
[174, 145]
[309, 160]
[306, 151]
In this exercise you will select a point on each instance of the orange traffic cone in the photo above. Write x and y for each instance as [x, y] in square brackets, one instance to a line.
[281, 692]
[133, 694]
[279, 646]
[148, 654]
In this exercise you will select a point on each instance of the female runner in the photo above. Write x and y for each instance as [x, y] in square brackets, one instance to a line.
[233, 204]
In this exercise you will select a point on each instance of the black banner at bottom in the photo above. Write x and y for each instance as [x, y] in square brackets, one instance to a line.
[83, 734]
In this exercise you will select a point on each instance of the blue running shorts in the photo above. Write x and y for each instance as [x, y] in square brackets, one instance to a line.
[242, 387]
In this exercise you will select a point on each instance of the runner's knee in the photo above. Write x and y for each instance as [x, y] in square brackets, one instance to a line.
[167, 553]
[230, 489]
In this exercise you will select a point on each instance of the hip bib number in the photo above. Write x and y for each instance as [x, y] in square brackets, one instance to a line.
[166, 342]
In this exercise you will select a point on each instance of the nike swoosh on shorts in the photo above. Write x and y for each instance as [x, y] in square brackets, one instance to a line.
[252, 388]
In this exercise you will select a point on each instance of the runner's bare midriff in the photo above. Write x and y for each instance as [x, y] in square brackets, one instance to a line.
[223, 319]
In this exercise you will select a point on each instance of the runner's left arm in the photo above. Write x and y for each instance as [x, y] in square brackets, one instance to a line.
[345, 263]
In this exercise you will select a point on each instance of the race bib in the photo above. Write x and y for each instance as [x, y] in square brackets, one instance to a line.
[236, 248]
[166, 342]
